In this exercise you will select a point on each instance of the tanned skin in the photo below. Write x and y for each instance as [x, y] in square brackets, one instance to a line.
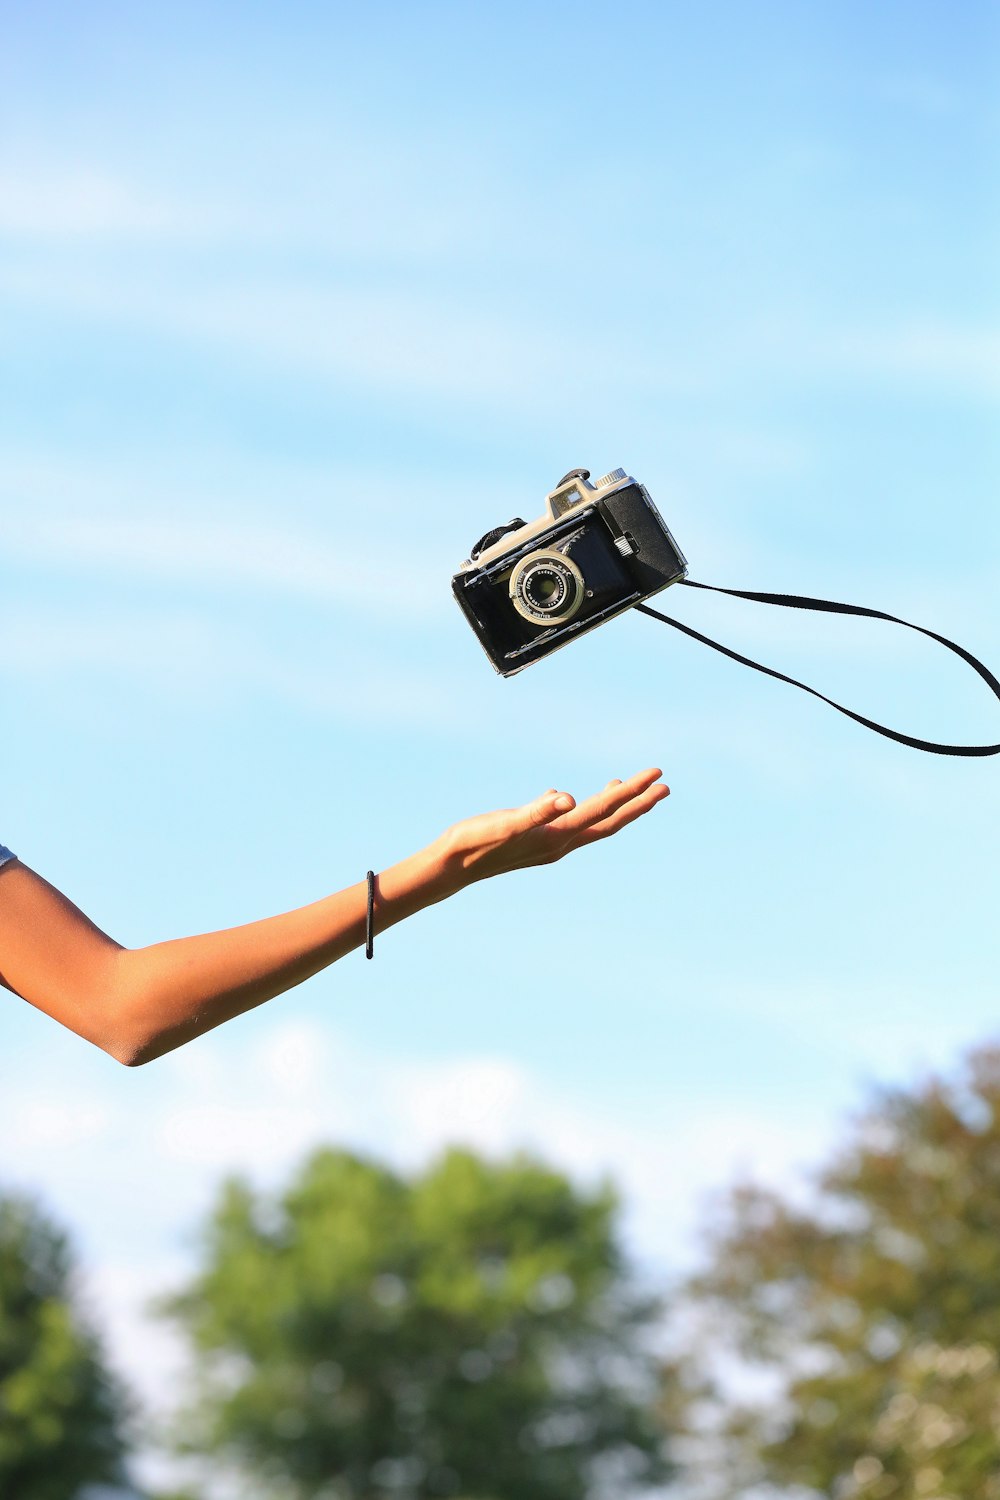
[137, 1003]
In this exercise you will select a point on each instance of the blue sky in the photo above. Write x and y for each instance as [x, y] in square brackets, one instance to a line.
[294, 304]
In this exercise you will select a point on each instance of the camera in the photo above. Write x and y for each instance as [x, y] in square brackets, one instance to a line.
[531, 587]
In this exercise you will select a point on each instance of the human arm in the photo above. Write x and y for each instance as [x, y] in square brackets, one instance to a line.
[138, 1003]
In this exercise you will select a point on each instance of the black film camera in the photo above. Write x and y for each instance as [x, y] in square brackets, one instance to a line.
[532, 587]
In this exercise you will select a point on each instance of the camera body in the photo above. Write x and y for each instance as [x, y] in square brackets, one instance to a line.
[532, 587]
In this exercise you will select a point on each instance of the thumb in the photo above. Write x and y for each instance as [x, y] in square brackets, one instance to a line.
[545, 808]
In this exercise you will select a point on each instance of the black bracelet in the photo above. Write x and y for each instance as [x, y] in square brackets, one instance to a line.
[370, 921]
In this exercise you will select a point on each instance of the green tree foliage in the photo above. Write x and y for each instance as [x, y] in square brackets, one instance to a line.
[61, 1414]
[876, 1313]
[470, 1332]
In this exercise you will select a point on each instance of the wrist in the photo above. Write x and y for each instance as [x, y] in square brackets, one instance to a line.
[441, 869]
[458, 860]
[419, 880]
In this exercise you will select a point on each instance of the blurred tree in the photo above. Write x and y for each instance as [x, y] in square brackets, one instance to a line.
[874, 1316]
[472, 1332]
[61, 1414]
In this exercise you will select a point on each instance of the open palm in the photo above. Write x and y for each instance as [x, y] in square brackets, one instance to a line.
[545, 830]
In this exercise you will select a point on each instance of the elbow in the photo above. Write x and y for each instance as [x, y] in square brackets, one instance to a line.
[127, 1034]
[131, 1057]
[136, 1049]
[130, 1049]
[137, 1043]
[143, 1019]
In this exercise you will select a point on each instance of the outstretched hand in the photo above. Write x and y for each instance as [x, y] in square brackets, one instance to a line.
[545, 830]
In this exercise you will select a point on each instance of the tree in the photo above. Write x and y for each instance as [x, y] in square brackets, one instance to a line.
[470, 1332]
[61, 1413]
[875, 1313]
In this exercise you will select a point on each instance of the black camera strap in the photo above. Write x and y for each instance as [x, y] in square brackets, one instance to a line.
[828, 606]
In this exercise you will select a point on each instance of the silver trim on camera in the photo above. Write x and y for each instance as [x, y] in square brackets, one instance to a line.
[560, 502]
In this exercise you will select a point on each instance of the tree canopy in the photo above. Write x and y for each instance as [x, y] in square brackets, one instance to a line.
[61, 1412]
[470, 1332]
[874, 1312]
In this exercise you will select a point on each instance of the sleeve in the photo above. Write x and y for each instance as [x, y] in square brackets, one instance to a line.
[5, 855]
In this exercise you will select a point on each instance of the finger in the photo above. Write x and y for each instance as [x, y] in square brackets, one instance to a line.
[632, 810]
[543, 810]
[615, 795]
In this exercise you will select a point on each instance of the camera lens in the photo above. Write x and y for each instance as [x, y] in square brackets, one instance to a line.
[546, 588]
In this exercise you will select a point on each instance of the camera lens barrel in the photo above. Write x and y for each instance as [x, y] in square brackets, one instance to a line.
[546, 588]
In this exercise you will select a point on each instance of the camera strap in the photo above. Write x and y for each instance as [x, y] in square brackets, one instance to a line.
[828, 606]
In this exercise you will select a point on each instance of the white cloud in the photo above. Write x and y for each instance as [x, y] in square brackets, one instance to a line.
[253, 553]
[54, 1123]
[433, 344]
[440, 346]
[925, 350]
[440, 343]
[85, 202]
[258, 1107]
[879, 1028]
[391, 203]
[200, 661]
[140, 1171]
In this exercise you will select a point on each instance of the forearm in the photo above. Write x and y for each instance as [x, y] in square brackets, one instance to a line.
[170, 992]
[139, 1003]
